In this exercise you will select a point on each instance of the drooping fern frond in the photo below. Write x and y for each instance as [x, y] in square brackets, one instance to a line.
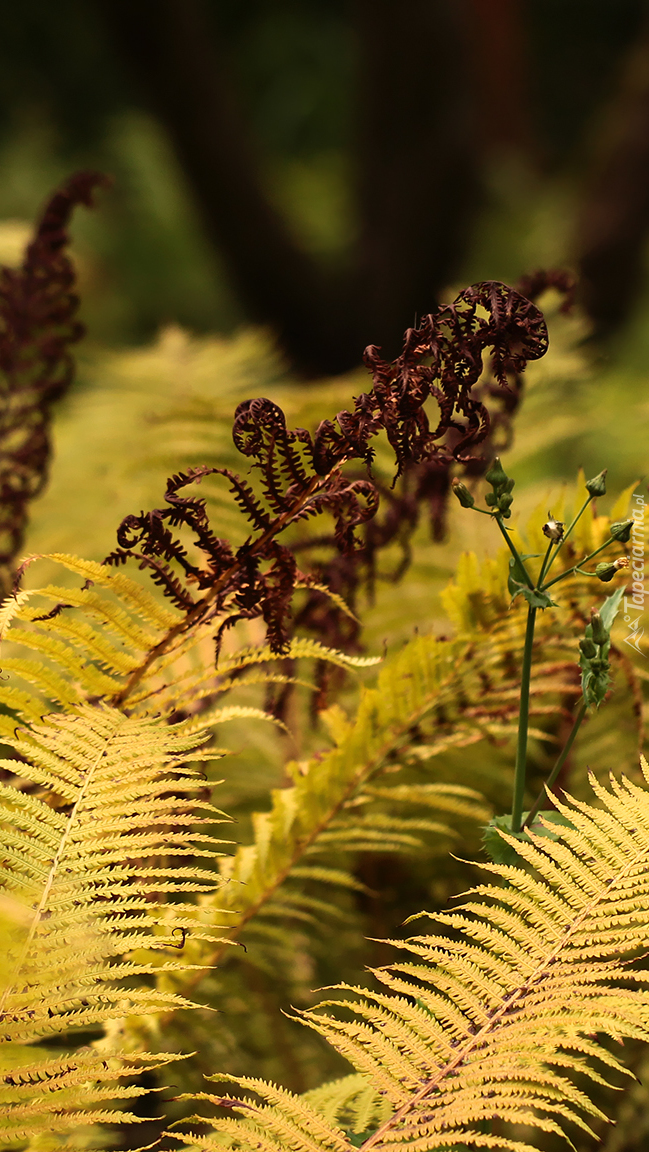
[37, 326]
[99, 865]
[486, 1023]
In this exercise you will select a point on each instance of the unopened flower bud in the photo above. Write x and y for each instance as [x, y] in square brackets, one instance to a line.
[597, 486]
[496, 476]
[588, 647]
[463, 494]
[600, 633]
[505, 501]
[621, 530]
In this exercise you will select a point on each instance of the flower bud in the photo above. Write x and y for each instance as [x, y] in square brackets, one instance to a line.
[597, 486]
[463, 494]
[621, 530]
[608, 569]
[496, 476]
[505, 501]
[491, 499]
[600, 633]
[588, 647]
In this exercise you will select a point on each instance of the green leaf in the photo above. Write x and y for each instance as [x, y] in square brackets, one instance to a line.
[611, 607]
[534, 598]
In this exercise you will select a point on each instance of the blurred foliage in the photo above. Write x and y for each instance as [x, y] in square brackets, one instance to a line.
[67, 101]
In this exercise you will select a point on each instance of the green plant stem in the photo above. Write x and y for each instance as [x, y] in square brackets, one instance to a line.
[545, 563]
[574, 568]
[523, 720]
[514, 552]
[565, 537]
[558, 766]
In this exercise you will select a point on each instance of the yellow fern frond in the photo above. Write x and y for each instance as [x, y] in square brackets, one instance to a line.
[485, 1024]
[93, 874]
[112, 640]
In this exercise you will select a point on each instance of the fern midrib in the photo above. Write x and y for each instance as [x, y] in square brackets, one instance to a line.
[507, 1004]
[38, 915]
[195, 613]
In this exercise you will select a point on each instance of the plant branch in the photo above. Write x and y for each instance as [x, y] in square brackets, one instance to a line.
[514, 551]
[575, 567]
[523, 721]
[558, 766]
[566, 534]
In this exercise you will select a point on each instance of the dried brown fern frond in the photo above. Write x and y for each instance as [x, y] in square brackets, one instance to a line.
[37, 326]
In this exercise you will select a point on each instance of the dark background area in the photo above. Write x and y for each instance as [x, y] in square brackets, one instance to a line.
[330, 167]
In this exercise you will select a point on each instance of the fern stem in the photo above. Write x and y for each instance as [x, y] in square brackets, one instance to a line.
[558, 766]
[523, 721]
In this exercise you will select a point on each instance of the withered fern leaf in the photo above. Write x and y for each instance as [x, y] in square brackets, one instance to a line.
[302, 474]
[37, 326]
[489, 1027]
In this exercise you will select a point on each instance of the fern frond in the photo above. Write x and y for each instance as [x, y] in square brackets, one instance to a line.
[352, 1103]
[112, 640]
[485, 1023]
[93, 866]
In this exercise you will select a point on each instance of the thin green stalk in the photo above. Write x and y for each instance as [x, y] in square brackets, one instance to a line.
[514, 552]
[558, 766]
[566, 535]
[568, 571]
[523, 720]
[545, 564]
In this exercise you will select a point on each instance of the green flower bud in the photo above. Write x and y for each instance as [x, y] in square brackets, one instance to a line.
[606, 571]
[496, 476]
[588, 648]
[597, 486]
[510, 484]
[463, 494]
[505, 501]
[600, 633]
[609, 568]
[621, 530]
[491, 499]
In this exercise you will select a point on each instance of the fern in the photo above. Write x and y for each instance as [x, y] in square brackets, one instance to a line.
[486, 1021]
[100, 865]
[342, 802]
[37, 326]
[113, 640]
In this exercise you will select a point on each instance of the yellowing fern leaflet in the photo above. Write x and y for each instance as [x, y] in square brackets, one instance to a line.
[94, 868]
[484, 1024]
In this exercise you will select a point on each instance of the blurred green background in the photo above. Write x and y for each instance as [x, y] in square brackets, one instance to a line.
[376, 152]
[296, 179]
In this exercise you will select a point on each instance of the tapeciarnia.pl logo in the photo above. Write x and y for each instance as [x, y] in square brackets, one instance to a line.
[634, 604]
